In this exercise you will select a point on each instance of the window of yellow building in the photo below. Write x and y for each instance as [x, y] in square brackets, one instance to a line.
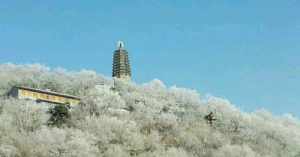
[24, 93]
[31, 94]
[40, 95]
[55, 98]
[34, 94]
[43, 96]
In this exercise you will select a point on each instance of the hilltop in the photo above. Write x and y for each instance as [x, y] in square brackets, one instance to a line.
[125, 119]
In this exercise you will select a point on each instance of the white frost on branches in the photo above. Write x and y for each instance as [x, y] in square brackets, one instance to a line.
[126, 119]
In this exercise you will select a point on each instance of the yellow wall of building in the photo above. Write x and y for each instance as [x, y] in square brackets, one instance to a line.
[46, 97]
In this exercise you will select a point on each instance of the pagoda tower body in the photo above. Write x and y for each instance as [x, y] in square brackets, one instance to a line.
[121, 65]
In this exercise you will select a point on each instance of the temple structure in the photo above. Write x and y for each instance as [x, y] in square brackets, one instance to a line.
[121, 65]
[43, 96]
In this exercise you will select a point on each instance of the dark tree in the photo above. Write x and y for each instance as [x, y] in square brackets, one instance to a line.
[60, 114]
[210, 118]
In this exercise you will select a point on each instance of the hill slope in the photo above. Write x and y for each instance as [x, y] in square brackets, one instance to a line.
[147, 120]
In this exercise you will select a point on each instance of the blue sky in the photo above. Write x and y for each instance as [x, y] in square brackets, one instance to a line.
[247, 51]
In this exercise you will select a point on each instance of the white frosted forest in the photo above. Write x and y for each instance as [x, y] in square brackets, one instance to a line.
[148, 120]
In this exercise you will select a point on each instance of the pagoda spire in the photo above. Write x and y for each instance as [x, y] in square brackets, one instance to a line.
[120, 44]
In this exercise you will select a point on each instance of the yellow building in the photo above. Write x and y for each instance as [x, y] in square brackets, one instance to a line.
[43, 96]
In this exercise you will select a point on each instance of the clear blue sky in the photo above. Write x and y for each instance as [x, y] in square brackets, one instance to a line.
[247, 51]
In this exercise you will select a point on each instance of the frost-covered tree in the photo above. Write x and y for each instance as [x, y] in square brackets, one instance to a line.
[117, 118]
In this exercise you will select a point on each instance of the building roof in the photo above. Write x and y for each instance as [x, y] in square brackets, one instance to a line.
[47, 92]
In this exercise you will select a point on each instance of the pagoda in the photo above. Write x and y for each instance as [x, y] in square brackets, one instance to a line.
[121, 65]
